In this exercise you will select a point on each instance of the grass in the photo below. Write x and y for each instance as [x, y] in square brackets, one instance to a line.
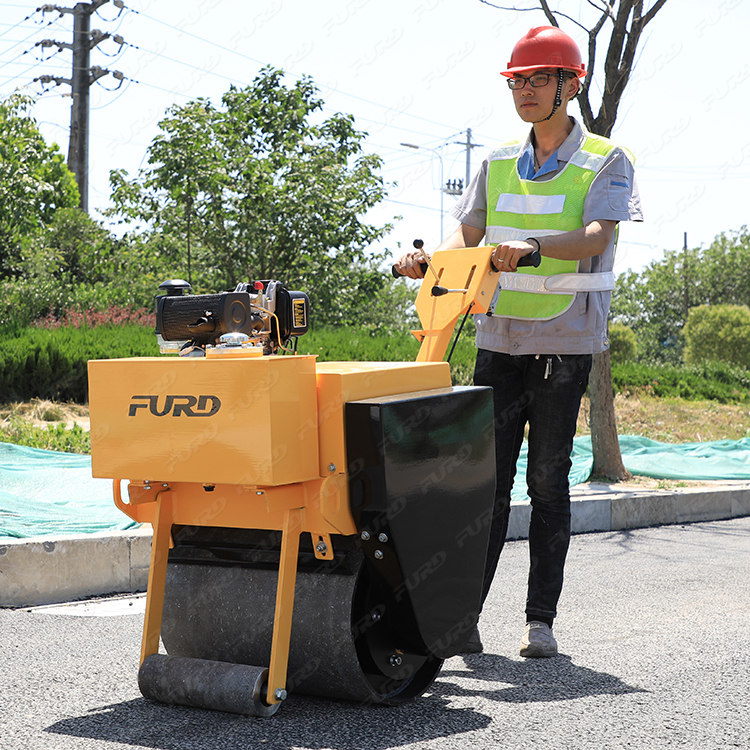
[673, 420]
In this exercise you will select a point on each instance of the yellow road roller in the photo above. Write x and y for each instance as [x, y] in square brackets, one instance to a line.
[318, 528]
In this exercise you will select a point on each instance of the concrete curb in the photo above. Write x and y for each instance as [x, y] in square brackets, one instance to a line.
[47, 570]
[610, 507]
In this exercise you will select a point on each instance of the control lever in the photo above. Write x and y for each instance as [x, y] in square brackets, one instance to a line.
[418, 244]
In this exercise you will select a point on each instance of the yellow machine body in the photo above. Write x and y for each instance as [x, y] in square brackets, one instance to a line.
[192, 419]
[254, 442]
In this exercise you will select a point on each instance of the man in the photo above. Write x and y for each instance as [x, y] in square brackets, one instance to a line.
[562, 192]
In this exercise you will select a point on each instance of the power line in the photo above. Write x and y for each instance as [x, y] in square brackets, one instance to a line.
[180, 62]
[330, 90]
[16, 25]
[259, 62]
[264, 64]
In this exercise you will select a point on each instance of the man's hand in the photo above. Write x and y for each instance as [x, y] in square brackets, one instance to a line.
[410, 265]
[507, 254]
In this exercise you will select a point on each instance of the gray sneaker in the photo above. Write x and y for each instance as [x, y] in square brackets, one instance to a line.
[538, 641]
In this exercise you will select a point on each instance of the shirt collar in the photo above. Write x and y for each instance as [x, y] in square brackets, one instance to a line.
[561, 157]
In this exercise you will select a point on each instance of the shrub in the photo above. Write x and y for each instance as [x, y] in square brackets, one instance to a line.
[51, 438]
[709, 381]
[720, 333]
[52, 363]
[623, 345]
[92, 318]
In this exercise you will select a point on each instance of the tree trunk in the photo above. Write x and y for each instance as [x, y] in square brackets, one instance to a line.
[604, 443]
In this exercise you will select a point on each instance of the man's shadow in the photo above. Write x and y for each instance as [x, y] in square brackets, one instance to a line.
[530, 680]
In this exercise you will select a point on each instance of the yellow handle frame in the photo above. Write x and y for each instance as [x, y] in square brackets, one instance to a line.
[467, 272]
[163, 506]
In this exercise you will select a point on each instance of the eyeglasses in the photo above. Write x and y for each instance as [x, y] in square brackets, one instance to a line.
[537, 81]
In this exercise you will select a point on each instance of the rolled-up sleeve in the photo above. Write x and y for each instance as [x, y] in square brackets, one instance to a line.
[613, 195]
[471, 209]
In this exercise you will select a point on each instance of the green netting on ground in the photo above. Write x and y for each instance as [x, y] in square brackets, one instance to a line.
[45, 493]
[721, 459]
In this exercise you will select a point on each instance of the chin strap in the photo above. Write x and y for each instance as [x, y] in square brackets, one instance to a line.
[558, 96]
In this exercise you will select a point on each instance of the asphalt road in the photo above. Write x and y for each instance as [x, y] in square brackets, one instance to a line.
[654, 654]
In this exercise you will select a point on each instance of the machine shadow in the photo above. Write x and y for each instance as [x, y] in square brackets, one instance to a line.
[530, 681]
[316, 723]
[311, 723]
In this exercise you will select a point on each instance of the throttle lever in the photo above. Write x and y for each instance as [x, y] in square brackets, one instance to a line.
[418, 244]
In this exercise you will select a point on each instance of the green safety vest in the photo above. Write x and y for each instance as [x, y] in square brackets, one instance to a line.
[518, 209]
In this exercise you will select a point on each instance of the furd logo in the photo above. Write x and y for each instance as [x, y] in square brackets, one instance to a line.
[177, 406]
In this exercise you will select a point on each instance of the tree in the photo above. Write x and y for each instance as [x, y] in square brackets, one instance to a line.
[626, 20]
[652, 303]
[256, 190]
[34, 181]
[75, 263]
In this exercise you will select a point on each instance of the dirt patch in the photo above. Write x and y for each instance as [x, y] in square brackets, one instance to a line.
[41, 413]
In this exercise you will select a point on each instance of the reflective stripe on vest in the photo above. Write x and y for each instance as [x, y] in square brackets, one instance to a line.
[518, 209]
[560, 283]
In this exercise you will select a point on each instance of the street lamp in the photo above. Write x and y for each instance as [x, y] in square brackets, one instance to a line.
[440, 156]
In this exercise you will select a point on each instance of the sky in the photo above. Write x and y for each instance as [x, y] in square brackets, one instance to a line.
[412, 71]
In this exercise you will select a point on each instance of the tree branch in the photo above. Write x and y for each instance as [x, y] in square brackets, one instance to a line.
[583, 98]
[607, 9]
[654, 10]
[548, 12]
[551, 16]
[503, 7]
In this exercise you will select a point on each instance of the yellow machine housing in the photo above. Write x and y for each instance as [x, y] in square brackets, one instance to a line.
[259, 442]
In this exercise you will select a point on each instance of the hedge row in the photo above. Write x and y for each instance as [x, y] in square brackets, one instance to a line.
[708, 381]
[51, 364]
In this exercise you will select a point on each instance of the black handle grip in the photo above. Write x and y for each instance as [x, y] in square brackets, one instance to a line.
[397, 274]
[534, 258]
[418, 244]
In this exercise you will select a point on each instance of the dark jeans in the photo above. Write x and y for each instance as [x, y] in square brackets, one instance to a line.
[522, 394]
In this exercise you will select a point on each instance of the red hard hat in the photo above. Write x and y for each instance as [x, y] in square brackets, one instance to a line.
[545, 47]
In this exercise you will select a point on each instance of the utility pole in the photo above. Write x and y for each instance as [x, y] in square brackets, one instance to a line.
[451, 187]
[685, 272]
[469, 145]
[82, 76]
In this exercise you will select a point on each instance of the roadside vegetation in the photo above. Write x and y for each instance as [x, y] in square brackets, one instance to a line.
[669, 403]
[261, 186]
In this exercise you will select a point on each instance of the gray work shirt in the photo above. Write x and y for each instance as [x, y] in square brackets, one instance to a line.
[582, 328]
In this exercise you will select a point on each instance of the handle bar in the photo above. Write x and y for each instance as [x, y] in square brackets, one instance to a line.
[532, 259]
